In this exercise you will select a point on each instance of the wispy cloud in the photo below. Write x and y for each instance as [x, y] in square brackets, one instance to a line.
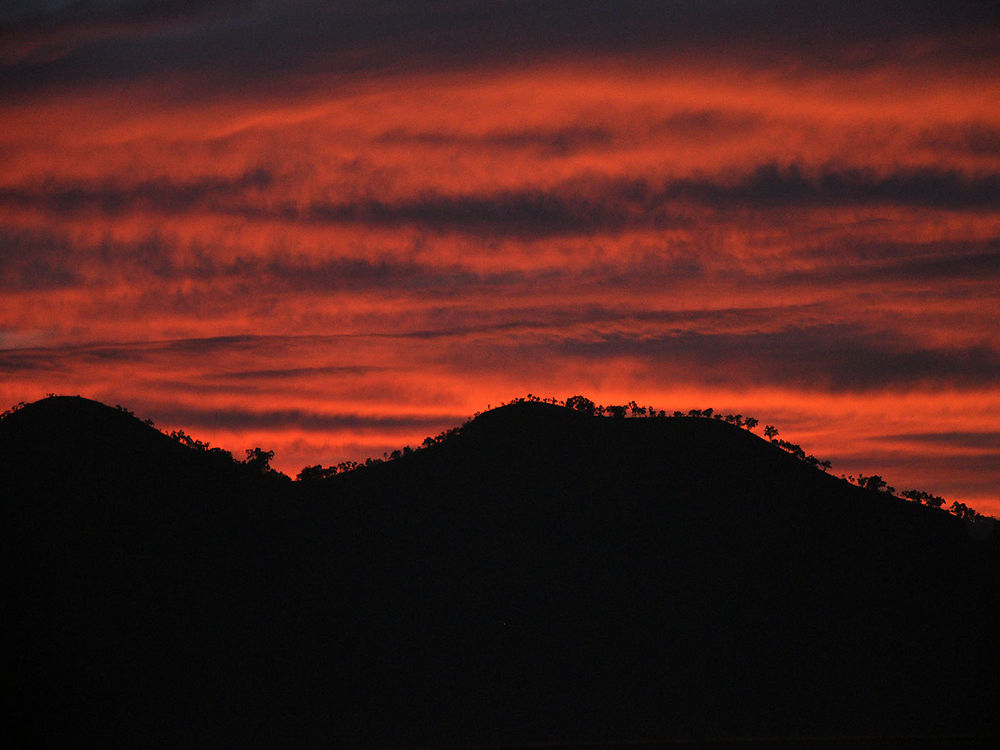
[577, 206]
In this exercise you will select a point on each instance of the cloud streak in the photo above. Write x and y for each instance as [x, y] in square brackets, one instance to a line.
[160, 195]
[241, 42]
[840, 358]
[310, 421]
[579, 206]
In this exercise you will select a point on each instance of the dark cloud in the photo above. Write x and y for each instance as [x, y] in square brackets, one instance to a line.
[214, 344]
[585, 206]
[838, 357]
[24, 16]
[264, 42]
[553, 141]
[708, 123]
[62, 359]
[725, 347]
[774, 185]
[568, 140]
[40, 260]
[513, 212]
[578, 206]
[57, 358]
[889, 263]
[980, 441]
[283, 419]
[35, 261]
[115, 197]
[14, 361]
[292, 373]
[978, 266]
[384, 275]
[974, 139]
[65, 359]
[41, 34]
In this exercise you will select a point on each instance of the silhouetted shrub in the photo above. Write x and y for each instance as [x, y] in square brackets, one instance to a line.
[919, 496]
[963, 511]
[184, 439]
[875, 483]
[795, 450]
[15, 408]
[311, 474]
[581, 404]
[259, 460]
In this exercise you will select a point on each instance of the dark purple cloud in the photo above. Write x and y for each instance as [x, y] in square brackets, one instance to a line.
[561, 141]
[835, 357]
[974, 139]
[985, 440]
[217, 44]
[115, 197]
[280, 419]
[577, 206]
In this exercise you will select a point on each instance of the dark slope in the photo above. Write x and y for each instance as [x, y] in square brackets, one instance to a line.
[543, 576]
[130, 561]
[612, 579]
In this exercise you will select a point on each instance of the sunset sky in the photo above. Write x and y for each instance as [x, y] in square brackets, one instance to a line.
[334, 228]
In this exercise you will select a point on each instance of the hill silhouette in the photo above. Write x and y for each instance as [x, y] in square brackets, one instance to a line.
[541, 576]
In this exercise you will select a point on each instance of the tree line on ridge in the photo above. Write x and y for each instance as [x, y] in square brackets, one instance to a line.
[258, 460]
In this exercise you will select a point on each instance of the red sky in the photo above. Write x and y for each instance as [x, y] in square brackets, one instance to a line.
[332, 229]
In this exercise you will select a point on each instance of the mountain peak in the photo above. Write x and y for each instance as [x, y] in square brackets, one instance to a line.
[74, 439]
[70, 419]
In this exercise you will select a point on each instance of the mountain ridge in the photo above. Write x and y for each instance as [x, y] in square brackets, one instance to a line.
[536, 576]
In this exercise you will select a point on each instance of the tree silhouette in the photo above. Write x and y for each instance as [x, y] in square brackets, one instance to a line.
[963, 511]
[259, 460]
[184, 439]
[770, 431]
[927, 498]
[795, 450]
[616, 411]
[312, 474]
[15, 408]
[875, 483]
[581, 404]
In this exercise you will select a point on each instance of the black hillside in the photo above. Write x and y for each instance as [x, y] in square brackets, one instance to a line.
[541, 576]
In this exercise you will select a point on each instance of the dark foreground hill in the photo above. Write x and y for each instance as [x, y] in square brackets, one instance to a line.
[541, 577]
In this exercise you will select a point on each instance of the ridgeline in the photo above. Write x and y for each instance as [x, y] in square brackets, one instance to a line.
[539, 576]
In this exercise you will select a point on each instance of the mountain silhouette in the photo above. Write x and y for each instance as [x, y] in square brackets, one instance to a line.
[541, 576]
